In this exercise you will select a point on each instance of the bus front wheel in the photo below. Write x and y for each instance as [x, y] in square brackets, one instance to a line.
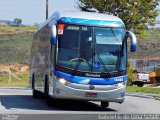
[104, 104]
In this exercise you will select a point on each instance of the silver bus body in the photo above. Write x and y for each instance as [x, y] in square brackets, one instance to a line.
[66, 82]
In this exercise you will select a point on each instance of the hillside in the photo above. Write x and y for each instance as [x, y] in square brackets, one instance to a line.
[148, 46]
[15, 44]
[8, 30]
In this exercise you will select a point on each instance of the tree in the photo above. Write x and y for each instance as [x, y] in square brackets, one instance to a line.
[130, 75]
[136, 14]
[18, 20]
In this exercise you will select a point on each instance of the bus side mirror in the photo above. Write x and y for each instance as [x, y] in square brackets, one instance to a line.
[53, 38]
[133, 39]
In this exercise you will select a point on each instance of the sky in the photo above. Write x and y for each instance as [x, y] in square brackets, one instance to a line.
[33, 11]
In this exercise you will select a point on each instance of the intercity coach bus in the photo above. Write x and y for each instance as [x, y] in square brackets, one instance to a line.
[81, 56]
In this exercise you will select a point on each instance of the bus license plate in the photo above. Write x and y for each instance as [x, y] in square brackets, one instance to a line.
[91, 95]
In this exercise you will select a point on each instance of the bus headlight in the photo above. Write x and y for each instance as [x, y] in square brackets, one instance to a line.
[62, 80]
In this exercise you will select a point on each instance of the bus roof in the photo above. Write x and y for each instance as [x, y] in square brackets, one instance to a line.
[85, 18]
[88, 18]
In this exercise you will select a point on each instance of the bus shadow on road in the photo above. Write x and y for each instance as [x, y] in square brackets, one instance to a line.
[22, 102]
[18, 102]
[76, 105]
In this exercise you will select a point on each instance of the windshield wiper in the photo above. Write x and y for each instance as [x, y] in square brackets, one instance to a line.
[104, 67]
[78, 63]
[76, 66]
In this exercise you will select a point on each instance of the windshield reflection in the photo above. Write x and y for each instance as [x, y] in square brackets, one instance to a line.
[90, 49]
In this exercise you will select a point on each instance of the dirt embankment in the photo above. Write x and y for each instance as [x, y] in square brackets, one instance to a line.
[14, 68]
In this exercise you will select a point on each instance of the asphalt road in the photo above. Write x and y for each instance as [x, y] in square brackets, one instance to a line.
[19, 101]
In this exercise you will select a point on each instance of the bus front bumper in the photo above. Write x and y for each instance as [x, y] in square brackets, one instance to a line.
[101, 92]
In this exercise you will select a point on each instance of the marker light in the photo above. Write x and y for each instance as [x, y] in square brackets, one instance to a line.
[60, 29]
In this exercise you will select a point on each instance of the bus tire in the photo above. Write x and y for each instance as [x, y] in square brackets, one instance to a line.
[35, 93]
[104, 104]
[49, 101]
[46, 86]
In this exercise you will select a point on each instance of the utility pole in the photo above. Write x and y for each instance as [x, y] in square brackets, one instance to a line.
[46, 9]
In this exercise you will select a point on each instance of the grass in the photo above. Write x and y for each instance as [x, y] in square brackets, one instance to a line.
[8, 30]
[15, 48]
[15, 44]
[143, 90]
[24, 82]
[152, 33]
[147, 47]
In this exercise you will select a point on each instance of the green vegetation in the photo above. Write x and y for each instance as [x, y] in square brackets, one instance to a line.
[149, 33]
[15, 48]
[130, 75]
[5, 81]
[18, 20]
[15, 44]
[8, 30]
[148, 46]
[143, 90]
[134, 13]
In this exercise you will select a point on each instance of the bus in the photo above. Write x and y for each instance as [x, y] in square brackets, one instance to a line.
[81, 56]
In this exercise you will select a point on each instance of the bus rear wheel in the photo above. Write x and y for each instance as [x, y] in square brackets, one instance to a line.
[104, 104]
[49, 101]
[35, 93]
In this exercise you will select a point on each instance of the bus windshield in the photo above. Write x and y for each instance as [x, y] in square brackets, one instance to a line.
[90, 49]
